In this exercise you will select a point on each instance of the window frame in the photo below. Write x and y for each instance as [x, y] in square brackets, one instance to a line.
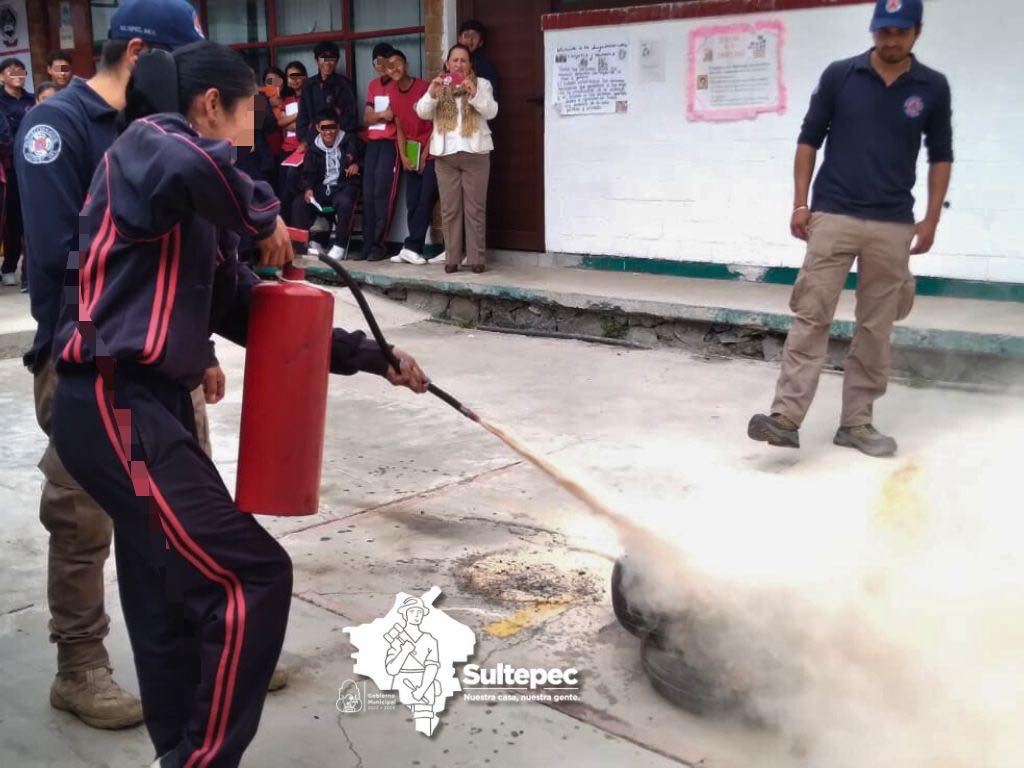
[344, 37]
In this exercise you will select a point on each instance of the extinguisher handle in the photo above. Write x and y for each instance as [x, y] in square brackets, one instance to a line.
[378, 335]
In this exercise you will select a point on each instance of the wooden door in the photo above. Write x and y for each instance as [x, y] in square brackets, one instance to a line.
[515, 43]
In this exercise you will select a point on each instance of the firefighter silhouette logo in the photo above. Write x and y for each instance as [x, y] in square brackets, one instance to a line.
[351, 697]
[413, 651]
[8, 26]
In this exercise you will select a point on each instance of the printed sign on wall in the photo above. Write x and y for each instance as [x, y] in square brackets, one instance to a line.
[735, 71]
[591, 78]
[14, 35]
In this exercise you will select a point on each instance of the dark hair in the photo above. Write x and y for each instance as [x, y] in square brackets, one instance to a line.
[166, 82]
[326, 114]
[10, 61]
[112, 53]
[287, 90]
[204, 65]
[326, 47]
[399, 54]
[455, 47]
[272, 71]
[472, 25]
[45, 86]
[296, 65]
[58, 56]
[382, 49]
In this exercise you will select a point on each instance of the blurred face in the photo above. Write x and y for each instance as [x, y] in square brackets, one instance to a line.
[295, 78]
[328, 131]
[327, 63]
[471, 39]
[380, 66]
[14, 76]
[894, 45]
[397, 68]
[60, 72]
[44, 94]
[236, 125]
[273, 79]
[458, 62]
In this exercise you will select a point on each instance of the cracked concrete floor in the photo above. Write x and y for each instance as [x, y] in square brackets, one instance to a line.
[414, 495]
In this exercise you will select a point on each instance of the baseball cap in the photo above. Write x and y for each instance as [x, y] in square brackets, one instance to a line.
[901, 14]
[170, 23]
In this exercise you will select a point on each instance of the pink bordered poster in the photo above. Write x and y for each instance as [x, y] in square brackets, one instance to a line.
[735, 71]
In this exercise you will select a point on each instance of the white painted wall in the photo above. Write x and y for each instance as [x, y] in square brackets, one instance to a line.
[650, 184]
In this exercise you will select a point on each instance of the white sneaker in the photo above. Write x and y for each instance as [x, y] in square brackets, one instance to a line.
[397, 258]
[411, 257]
[439, 259]
[336, 252]
[10, 278]
[314, 249]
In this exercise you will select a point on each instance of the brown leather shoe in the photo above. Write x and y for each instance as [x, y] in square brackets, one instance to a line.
[278, 680]
[95, 699]
[478, 268]
[449, 268]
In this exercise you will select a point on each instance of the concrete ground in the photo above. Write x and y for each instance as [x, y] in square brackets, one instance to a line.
[414, 495]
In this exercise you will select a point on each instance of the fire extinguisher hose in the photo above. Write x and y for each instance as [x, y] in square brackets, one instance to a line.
[378, 335]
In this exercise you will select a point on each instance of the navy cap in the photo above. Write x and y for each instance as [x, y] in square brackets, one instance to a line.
[901, 14]
[171, 23]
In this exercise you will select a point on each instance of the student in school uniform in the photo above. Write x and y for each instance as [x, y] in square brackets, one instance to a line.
[420, 178]
[382, 168]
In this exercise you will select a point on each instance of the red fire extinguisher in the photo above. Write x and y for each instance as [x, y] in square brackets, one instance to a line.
[284, 400]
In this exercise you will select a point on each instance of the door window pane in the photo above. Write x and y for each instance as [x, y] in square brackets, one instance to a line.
[301, 17]
[410, 45]
[368, 15]
[236, 21]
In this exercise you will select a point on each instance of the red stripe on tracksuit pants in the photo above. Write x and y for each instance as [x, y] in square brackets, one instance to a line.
[204, 588]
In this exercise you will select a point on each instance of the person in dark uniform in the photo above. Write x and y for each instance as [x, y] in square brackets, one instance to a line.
[326, 90]
[473, 35]
[57, 150]
[330, 178]
[15, 101]
[205, 589]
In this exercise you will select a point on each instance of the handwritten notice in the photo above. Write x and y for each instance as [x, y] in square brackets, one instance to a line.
[591, 78]
[735, 71]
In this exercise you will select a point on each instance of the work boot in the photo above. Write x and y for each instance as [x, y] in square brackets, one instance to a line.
[866, 439]
[777, 430]
[278, 680]
[95, 699]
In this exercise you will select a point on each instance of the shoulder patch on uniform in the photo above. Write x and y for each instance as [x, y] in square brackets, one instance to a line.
[42, 144]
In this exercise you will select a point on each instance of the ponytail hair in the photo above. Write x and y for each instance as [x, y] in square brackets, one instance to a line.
[170, 82]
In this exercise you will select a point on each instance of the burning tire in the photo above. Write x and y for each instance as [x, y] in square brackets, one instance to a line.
[686, 685]
[633, 618]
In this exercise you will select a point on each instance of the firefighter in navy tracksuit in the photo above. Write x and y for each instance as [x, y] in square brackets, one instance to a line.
[205, 589]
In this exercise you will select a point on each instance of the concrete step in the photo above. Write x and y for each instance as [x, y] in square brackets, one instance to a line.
[944, 339]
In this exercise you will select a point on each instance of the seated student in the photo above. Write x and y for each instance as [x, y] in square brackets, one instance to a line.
[420, 179]
[329, 178]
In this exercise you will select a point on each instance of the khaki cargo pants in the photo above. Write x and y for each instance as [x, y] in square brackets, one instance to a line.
[885, 294]
[80, 534]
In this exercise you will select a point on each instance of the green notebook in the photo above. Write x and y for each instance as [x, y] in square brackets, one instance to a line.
[412, 151]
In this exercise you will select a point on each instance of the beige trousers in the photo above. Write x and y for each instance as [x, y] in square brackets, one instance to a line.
[80, 534]
[885, 294]
[462, 183]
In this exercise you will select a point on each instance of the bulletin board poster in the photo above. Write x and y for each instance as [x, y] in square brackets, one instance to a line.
[735, 71]
[14, 35]
[591, 78]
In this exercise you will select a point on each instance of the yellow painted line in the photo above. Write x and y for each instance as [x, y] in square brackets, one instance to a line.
[530, 616]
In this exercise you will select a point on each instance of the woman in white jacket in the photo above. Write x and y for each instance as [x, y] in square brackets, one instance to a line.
[460, 104]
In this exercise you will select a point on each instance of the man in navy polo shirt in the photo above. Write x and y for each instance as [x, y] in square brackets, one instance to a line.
[57, 149]
[873, 110]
